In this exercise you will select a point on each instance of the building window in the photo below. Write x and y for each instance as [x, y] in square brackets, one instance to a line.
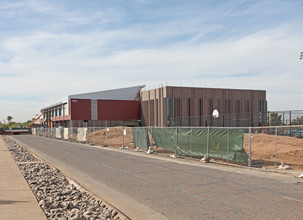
[189, 122]
[238, 106]
[200, 111]
[210, 106]
[227, 106]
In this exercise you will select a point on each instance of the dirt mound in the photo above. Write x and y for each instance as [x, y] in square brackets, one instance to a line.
[114, 137]
[263, 148]
[289, 149]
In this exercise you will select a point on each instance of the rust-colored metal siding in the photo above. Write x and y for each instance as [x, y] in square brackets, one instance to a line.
[119, 110]
[80, 109]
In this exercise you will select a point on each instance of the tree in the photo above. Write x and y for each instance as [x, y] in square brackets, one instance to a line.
[9, 118]
[298, 121]
[275, 119]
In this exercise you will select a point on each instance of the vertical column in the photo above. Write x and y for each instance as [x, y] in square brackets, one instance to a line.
[94, 109]
[249, 153]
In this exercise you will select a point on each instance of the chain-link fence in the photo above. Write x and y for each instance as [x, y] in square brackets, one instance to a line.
[261, 147]
[249, 119]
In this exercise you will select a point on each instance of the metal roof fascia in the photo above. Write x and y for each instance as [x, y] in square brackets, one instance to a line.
[53, 105]
[128, 93]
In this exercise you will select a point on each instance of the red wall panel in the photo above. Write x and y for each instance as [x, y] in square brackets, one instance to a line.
[80, 109]
[119, 110]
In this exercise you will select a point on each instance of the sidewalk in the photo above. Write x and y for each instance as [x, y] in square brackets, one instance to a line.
[16, 198]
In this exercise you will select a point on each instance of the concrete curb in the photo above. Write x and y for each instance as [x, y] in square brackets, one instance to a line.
[17, 199]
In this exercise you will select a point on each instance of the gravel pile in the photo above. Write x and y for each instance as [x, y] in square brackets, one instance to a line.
[19, 153]
[57, 196]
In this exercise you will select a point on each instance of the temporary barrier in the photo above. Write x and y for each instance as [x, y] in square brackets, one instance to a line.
[81, 135]
[220, 143]
[65, 134]
[263, 146]
[58, 133]
[164, 137]
[141, 137]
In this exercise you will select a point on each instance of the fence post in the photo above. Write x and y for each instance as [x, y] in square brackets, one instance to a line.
[162, 140]
[227, 143]
[208, 141]
[276, 134]
[151, 138]
[136, 143]
[249, 152]
[105, 137]
[191, 135]
[86, 134]
[72, 134]
[176, 145]
[123, 136]
[94, 137]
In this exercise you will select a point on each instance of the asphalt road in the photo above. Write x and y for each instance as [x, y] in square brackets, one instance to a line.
[144, 186]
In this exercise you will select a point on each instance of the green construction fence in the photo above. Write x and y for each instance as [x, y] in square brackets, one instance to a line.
[212, 142]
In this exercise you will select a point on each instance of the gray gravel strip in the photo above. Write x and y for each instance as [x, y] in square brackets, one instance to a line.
[58, 197]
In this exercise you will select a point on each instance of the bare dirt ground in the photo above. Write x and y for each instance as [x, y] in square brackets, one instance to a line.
[114, 137]
[289, 149]
[263, 147]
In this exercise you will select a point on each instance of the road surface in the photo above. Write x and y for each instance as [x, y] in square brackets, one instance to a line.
[144, 187]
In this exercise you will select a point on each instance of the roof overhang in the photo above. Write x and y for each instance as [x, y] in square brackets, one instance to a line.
[53, 105]
[129, 93]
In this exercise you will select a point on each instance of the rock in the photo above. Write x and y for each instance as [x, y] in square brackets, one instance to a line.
[114, 214]
[41, 203]
[77, 216]
[58, 198]
[76, 203]
[91, 209]
[87, 213]
[55, 205]
[75, 210]
[106, 213]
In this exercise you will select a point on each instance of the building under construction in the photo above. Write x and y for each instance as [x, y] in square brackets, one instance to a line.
[190, 106]
[96, 109]
[164, 107]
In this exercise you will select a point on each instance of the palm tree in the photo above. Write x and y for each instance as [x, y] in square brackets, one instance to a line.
[9, 118]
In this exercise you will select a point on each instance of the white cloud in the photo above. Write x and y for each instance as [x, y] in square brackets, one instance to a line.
[47, 66]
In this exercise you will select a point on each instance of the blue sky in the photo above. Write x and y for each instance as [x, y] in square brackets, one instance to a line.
[52, 49]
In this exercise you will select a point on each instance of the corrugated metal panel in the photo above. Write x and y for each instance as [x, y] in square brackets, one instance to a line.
[119, 110]
[80, 109]
[130, 93]
[94, 109]
[151, 112]
[226, 101]
[144, 113]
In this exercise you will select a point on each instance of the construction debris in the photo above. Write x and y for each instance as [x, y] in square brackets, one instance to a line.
[284, 166]
[205, 159]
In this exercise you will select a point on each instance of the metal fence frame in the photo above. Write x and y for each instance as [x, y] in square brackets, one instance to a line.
[275, 131]
[248, 119]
